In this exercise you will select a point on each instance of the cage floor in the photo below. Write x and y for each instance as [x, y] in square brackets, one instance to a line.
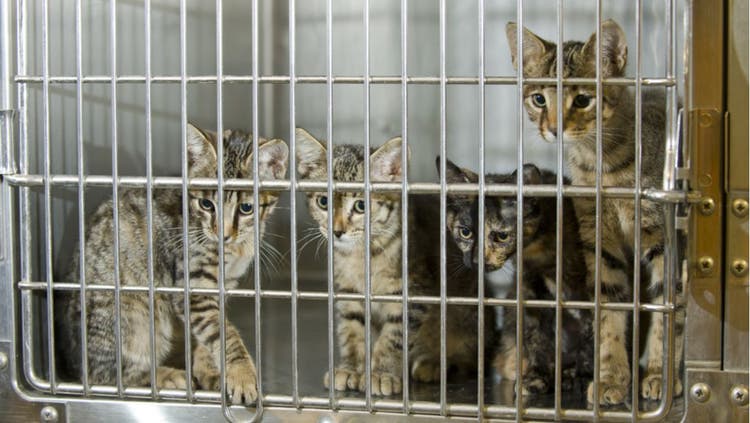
[312, 332]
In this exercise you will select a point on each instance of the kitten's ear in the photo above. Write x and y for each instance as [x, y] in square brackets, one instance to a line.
[201, 149]
[273, 159]
[385, 162]
[614, 49]
[456, 174]
[531, 174]
[534, 47]
[311, 155]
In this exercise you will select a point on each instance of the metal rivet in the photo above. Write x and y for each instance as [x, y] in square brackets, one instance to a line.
[739, 395]
[705, 119]
[706, 264]
[739, 267]
[3, 360]
[707, 206]
[49, 414]
[740, 207]
[700, 392]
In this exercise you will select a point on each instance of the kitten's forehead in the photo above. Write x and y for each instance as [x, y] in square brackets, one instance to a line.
[348, 163]
[238, 147]
[575, 62]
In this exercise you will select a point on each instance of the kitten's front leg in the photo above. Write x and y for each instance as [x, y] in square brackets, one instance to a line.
[387, 353]
[351, 333]
[651, 386]
[240, 370]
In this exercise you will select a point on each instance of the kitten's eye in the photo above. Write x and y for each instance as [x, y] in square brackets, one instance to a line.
[246, 208]
[206, 204]
[538, 100]
[465, 232]
[359, 206]
[322, 202]
[582, 101]
[502, 235]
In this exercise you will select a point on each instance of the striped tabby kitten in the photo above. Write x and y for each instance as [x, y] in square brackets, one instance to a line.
[239, 212]
[618, 169]
[385, 267]
[539, 261]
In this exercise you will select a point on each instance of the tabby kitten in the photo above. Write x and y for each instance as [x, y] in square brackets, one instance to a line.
[386, 275]
[539, 264]
[168, 267]
[618, 169]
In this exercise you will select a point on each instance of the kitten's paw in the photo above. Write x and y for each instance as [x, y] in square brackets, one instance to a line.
[426, 371]
[241, 382]
[344, 379]
[382, 383]
[208, 380]
[533, 383]
[651, 386]
[170, 378]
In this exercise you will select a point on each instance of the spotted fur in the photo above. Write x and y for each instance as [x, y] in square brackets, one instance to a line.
[618, 169]
[539, 261]
[168, 269]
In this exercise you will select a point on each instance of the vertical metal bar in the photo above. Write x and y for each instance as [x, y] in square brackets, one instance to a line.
[7, 157]
[635, 392]
[443, 218]
[480, 246]
[149, 201]
[220, 207]
[368, 212]
[115, 198]
[519, 205]
[559, 215]
[329, 193]
[256, 202]
[185, 199]
[598, 211]
[24, 204]
[405, 205]
[81, 200]
[47, 201]
[293, 201]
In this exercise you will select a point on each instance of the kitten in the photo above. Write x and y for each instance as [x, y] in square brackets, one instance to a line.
[239, 212]
[618, 169]
[539, 268]
[386, 273]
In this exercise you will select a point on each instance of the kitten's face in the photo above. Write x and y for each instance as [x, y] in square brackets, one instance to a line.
[579, 102]
[348, 208]
[500, 218]
[239, 208]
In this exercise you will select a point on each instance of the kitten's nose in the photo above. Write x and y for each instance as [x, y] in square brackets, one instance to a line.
[338, 233]
[227, 238]
[553, 130]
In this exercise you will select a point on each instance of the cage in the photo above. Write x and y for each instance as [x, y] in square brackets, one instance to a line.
[96, 99]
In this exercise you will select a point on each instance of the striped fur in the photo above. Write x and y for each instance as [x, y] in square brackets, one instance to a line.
[618, 169]
[386, 254]
[169, 270]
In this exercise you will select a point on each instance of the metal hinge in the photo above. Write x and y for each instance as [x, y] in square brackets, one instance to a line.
[7, 156]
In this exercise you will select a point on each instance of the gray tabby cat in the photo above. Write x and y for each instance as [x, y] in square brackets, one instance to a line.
[539, 261]
[239, 212]
[618, 169]
[386, 255]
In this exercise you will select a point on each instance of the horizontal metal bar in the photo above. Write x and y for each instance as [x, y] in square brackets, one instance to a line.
[323, 295]
[284, 79]
[656, 195]
[344, 404]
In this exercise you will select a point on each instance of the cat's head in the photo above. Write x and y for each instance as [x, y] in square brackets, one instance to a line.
[579, 101]
[239, 208]
[349, 207]
[501, 216]
[461, 213]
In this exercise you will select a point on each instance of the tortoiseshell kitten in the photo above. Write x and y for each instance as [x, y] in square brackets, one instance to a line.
[168, 270]
[348, 210]
[618, 138]
[539, 268]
